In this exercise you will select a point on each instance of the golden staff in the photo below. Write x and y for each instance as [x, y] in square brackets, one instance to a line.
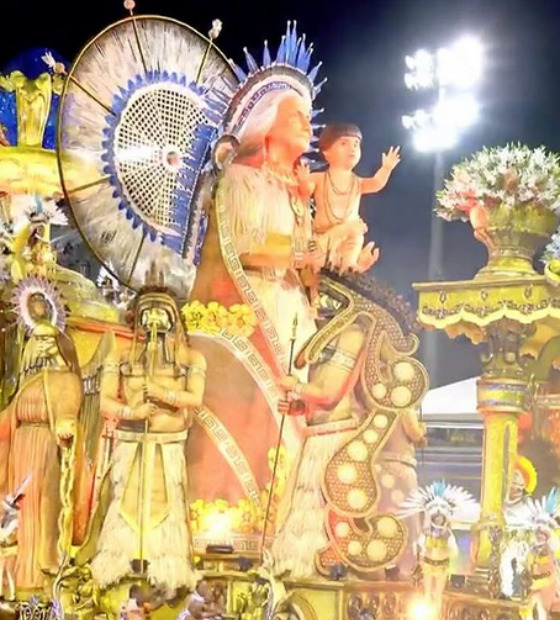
[279, 442]
[152, 355]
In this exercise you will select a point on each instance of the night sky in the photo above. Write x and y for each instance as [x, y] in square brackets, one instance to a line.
[362, 45]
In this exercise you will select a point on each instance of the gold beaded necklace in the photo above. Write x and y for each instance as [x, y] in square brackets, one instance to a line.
[349, 193]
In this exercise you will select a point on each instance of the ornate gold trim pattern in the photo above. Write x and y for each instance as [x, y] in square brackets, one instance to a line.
[231, 452]
[248, 355]
[481, 303]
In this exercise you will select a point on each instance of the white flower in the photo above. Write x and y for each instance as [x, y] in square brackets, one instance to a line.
[53, 214]
[49, 60]
[215, 30]
[510, 175]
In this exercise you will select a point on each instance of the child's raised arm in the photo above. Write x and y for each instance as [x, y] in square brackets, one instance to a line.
[378, 181]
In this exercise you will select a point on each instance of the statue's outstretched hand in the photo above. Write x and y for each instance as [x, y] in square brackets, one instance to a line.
[391, 159]
[302, 172]
[368, 257]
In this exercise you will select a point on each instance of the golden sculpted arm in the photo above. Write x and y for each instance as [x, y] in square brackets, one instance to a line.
[414, 429]
[111, 407]
[64, 391]
[191, 396]
[332, 382]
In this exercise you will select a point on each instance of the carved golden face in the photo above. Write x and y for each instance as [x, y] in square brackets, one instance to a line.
[42, 344]
[158, 318]
[39, 308]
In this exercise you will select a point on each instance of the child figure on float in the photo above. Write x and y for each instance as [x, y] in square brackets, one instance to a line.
[257, 252]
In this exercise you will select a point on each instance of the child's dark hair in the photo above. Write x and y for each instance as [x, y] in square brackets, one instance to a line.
[331, 133]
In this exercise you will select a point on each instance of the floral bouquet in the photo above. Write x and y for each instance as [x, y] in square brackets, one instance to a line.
[213, 318]
[512, 176]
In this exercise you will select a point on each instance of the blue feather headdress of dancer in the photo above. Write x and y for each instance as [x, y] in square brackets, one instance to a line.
[542, 514]
[438, 497]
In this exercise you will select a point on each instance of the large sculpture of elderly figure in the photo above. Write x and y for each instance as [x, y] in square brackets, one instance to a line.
[259, 252]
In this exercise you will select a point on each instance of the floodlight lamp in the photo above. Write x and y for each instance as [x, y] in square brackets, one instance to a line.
[456, 112]
[434, 139]
[461, 64]
[421, 72]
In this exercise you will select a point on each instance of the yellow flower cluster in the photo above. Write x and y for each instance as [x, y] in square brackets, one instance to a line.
[213, 318]
[220, 520]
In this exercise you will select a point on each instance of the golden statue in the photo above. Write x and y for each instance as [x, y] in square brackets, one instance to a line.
[38, 427]
[33, 100]
[352, 411]
[141, 526]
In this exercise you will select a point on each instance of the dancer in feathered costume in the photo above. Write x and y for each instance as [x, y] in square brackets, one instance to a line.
[436, 546]
[516, 541]
[540, 518]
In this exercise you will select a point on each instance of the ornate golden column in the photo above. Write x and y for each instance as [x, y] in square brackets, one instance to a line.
[501, 398]
[515, 316]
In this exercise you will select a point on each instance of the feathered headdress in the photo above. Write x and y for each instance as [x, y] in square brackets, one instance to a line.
[540, 513]
[438, 496]
[40, 289]
[288, 70]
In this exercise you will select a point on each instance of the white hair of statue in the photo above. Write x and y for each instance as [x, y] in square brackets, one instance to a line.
[262, 119]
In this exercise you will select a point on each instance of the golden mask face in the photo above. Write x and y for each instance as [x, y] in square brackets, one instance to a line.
[156, 317]
[45, 346]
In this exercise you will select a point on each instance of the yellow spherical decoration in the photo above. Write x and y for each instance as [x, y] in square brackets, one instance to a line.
[404, 372]
[401, 396]
[358, 451]
[370, 436]
[354, 548]
[342, 530]
[380, 421]
[377, 550]
[387, 527]
[357, 499]
[379, 391]
[388, 481]
[347, 473]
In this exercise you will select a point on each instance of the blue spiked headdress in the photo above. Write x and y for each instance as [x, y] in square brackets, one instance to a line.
[289, 69]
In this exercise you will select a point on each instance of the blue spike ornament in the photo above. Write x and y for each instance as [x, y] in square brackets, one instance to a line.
[287, 70]
[267, 60]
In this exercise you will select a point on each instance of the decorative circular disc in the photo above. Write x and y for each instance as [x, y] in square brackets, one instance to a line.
[136, 126]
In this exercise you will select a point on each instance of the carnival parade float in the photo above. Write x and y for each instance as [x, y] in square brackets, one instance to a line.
[218, 418]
